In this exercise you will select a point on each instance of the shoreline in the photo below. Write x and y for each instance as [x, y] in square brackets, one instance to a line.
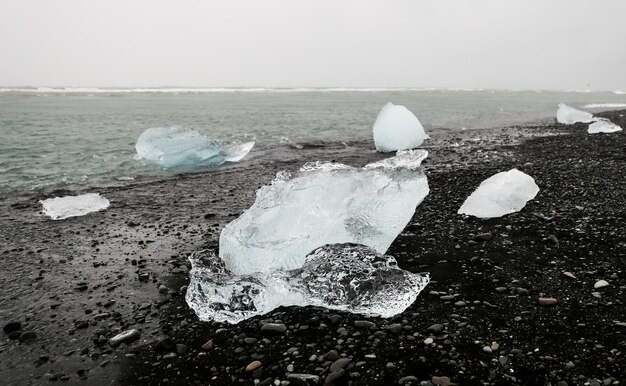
[60, 278]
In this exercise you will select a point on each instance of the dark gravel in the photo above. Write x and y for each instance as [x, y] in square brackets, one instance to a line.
[70, 286]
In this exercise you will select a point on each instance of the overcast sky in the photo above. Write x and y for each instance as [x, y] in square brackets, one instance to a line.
[529, 44]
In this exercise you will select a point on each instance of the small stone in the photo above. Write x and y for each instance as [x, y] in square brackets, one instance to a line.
[124, 337]
[601, 284]
[304, 379]
[570, 365]
[273, 329]
[552, 239]
[460, 303]
[487, 349]
[165, 345]
[290, 368]
[208, 345]
[334, 376]
[396, 328]
[436, 329]
[442, 381]
[407, 379]
[163, 290]
[428, 341]
[340, 363]
[483, 237]
[503, 360]
[364, 324]
[253, 366]
[547, 301]
[332, 355]
[170, 355]
[181, 349]
[569, 274]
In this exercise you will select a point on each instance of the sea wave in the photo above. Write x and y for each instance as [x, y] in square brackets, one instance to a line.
[604, 105]
[177, 90]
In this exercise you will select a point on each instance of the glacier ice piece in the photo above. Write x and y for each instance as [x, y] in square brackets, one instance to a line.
[59, 208]
[324, 203]
[397, 128]
[172, 147]
[569, 115]
[348, 277]
[500, 194]
[602, 125]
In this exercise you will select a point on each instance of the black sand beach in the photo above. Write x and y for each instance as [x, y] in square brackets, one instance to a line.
[69, 286]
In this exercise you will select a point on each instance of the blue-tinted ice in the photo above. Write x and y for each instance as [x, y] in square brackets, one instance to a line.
[179, 147]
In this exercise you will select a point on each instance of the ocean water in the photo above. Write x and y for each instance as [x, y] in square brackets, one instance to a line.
[54, 137]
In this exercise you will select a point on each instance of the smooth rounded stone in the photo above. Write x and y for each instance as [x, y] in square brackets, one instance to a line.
[124, 337]
[487, 349]
[436, 329]
[332, 355]
[28, 336]
[12, 327]
[517, 319]
[342, 331]
[208, 345]
[483, 237]
[522, 291]
[552, 239]
[340, 363]
[428, 341]
[273, 329]
[503, 360]
[221, 336]
[547, 301]
[569, 275]
[442, 381]
[570, 365]
[601, 284]
[396, 328]
[334, 319]
[364, 324]
[250, 341]
[170, 355]
[181, 349]
[407, 379]
[460, 303]
[290, 368]
[165, 345]
[501, 289]
[303, 379]
[334, 376]
[446, 298]
[253, 366]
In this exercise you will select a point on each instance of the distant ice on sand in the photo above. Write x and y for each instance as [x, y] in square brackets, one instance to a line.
[500, 194]
[59, 208]
[397, 128]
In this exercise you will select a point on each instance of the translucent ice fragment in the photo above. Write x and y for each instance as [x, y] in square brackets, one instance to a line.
[569, 115]
[500, 194]
[602, 125]
[348, 277]
[397, 128]
[59, 208]
[183, 147]
[324, 203]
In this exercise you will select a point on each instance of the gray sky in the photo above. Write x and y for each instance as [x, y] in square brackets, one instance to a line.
[545, 44]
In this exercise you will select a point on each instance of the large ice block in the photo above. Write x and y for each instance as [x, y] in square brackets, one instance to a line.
[500, 194]
[569, 115]
[348, 277]
[602, 125]
[324, 203]
[397, 128]
[179, 147]
[59, 208]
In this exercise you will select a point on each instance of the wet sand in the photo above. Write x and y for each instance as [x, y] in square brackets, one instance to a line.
[78, 282]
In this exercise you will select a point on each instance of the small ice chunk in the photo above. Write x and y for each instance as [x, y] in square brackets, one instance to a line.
[347, 277]
[172, 147]
[602, 125]
[500, 194]
[324, 203]
[59, 208]
[569, 115]
[397, 128]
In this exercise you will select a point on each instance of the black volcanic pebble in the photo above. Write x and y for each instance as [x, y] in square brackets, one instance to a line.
[11, 327]
[436, 328]
[274, 329]
[165, 345]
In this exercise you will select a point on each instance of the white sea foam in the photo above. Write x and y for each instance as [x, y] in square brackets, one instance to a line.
[59, 208]
[604, 105]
